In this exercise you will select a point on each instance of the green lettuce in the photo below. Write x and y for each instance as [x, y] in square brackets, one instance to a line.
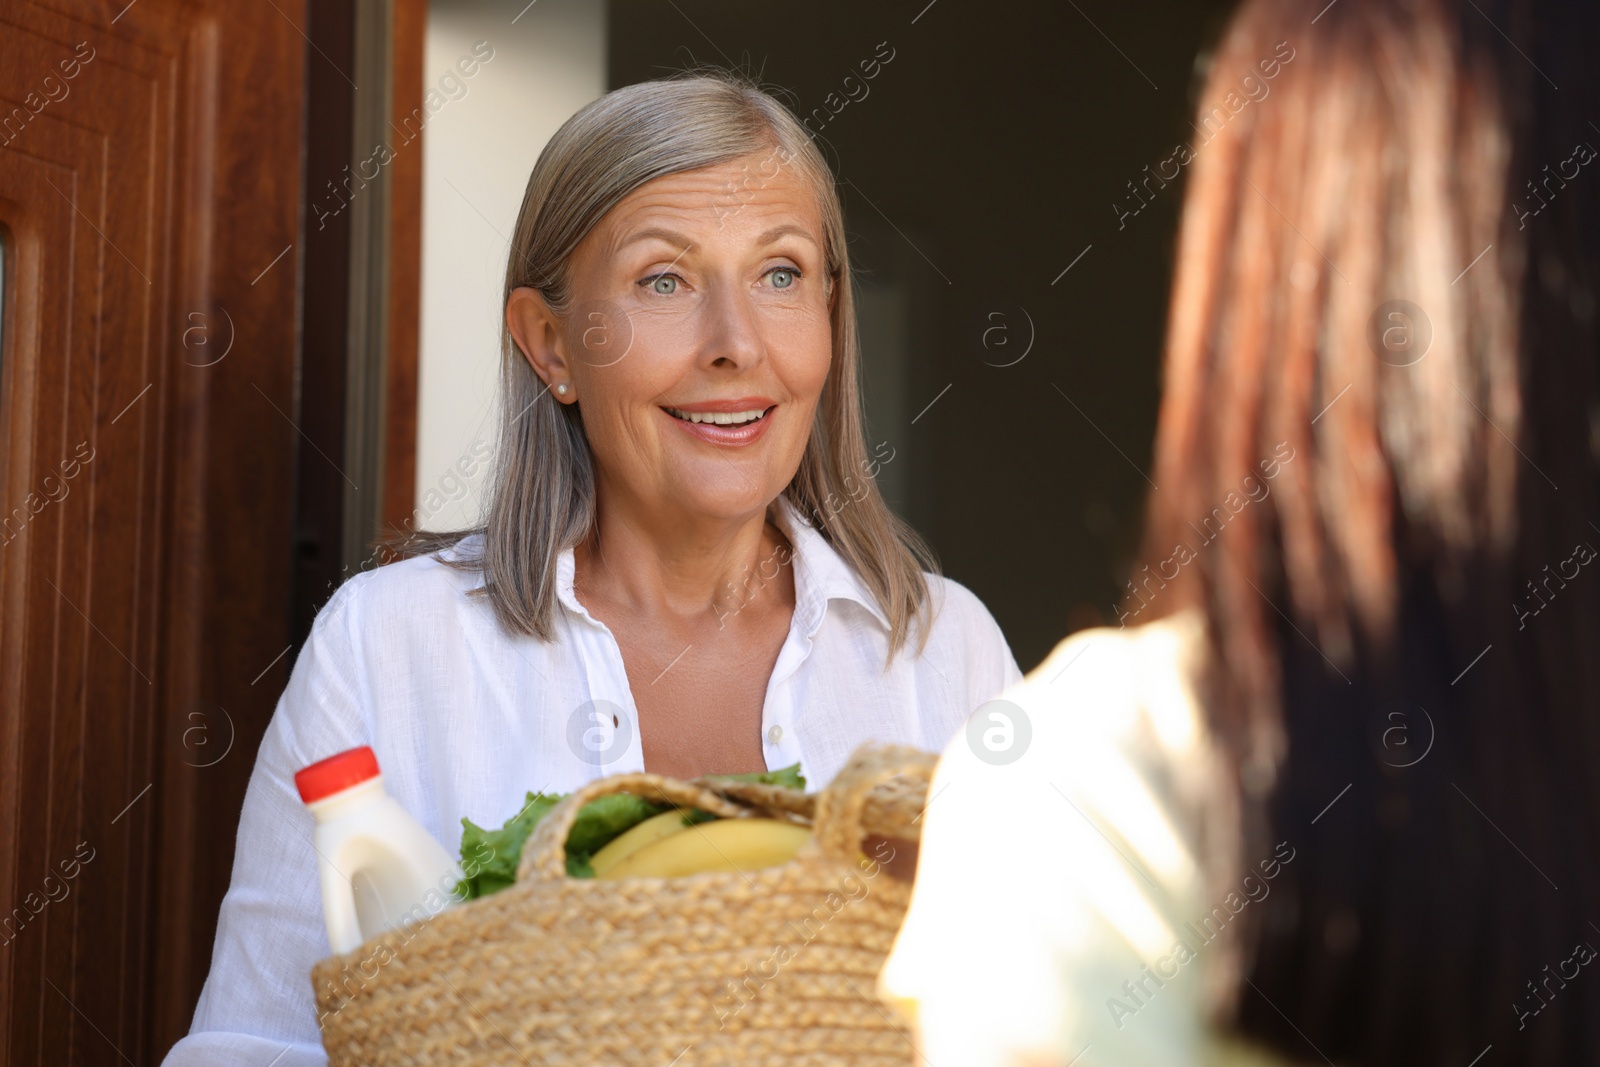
[489, 858]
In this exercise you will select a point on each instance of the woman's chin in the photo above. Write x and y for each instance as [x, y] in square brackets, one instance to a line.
[721, 487]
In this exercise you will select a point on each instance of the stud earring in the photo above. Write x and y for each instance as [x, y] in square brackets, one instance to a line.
[562, 388]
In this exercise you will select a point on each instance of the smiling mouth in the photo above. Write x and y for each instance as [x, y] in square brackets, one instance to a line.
[721, 418]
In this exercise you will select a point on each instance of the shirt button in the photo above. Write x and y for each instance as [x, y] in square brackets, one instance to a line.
[775, 734]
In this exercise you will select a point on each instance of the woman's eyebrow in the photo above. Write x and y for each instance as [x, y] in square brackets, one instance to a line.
[673, 237]
[783, 230]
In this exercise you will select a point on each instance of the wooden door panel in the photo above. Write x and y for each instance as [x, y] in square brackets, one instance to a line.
[73, 618]
[162, 185]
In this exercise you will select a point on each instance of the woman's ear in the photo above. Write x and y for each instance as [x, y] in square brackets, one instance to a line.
[539, 336]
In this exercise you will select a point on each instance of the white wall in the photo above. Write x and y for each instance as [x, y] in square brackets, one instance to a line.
[479, 146]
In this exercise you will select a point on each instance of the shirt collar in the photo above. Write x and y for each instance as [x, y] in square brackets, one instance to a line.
[820, 573]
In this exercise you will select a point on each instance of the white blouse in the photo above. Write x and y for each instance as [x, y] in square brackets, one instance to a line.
[1061, 913]
[465, 719]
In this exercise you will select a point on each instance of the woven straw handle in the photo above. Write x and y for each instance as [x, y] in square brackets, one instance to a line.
[776, 800]
[839, 807]
[545, 853]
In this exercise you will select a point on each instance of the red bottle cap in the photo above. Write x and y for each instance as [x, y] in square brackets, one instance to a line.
[336, 774]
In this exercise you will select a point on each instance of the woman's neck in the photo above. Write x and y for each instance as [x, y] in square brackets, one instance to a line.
[671, 564]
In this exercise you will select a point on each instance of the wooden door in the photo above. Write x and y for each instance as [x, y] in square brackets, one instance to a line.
[150, 197]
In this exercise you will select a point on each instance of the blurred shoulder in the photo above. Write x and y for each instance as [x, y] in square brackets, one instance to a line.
[1171, 644]
[1114, 681]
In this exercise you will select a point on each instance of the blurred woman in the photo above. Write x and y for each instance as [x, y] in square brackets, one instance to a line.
[1332, 790]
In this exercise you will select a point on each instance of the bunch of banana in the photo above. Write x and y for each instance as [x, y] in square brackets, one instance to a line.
[664, 847]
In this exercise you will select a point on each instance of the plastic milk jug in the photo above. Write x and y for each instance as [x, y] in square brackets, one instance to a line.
[379, 867]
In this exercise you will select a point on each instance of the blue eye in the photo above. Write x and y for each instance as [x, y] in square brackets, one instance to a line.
[789, 274]
[665, 284]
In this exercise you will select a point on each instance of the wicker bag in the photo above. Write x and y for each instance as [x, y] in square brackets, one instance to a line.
[775, 967]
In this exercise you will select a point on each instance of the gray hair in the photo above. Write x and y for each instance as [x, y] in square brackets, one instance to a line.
[541, 497]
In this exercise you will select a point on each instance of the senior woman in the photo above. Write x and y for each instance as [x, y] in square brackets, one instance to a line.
[685, 567]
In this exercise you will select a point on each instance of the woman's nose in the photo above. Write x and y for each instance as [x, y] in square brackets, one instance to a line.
[732, 329]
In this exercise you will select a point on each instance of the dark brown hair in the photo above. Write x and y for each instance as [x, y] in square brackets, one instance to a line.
[1385, 294]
